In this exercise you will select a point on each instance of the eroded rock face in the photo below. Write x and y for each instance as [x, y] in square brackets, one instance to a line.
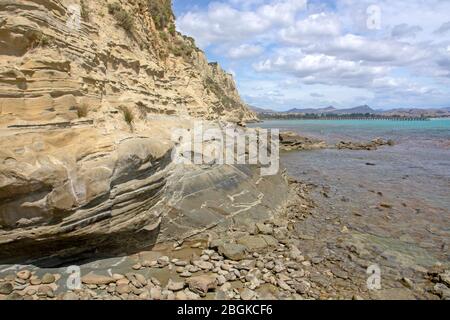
[86, 118]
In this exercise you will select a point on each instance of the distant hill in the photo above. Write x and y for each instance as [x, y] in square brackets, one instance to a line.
[356, 110]
[311, 110]
[261, 110]
[364, 109]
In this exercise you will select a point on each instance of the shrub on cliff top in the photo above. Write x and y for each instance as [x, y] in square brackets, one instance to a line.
[161, 12]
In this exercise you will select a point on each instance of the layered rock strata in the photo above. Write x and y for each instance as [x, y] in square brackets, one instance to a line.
[87, 112]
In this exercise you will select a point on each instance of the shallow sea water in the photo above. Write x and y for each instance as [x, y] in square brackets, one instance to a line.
[395, 200]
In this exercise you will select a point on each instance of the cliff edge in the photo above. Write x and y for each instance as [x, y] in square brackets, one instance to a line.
[88, 103]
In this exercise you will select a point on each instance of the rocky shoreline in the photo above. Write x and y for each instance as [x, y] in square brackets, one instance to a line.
[266, 260]
[292, 141]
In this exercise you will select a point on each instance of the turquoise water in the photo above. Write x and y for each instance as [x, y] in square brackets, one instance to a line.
[364, 129]
[412, 177]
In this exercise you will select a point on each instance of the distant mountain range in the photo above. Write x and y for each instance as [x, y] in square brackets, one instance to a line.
[364, 109]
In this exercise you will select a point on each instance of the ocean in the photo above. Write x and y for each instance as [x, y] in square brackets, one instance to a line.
[394, 202]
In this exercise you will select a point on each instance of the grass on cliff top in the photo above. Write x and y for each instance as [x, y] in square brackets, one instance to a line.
[162, 14]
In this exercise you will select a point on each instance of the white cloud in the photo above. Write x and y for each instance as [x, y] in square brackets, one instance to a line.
[405, 31]
[355, 47]
[328, 44]
[321, 69]
[444, 28]
[245, 51]
[224, 22]
[311, 29]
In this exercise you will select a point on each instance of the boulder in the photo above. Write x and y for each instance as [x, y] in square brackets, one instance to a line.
[96, 279]
[202, 284]
[233, 251]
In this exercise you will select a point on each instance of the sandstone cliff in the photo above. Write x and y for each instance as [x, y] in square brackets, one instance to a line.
[86, 114]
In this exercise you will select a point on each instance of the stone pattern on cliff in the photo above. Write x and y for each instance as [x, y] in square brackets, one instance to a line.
[86, 118]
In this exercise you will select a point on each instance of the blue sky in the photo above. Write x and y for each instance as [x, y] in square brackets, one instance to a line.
[299, 53]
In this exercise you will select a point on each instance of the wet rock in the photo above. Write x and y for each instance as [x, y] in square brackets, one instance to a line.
[372, 145]
[6, 288]
[290, 141]
[234, 252]
[202, 284]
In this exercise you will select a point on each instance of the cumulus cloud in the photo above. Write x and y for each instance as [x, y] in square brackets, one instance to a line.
[223, 22]
[314, 28]
[355, 47]
[405, 31]
[321, 69]
[245, 51]
[328, 44]
[444, 28]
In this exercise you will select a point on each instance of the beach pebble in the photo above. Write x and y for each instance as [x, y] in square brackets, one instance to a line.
[24, 274]
[48, 278]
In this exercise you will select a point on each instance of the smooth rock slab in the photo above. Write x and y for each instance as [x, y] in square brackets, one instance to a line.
[258, 243]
